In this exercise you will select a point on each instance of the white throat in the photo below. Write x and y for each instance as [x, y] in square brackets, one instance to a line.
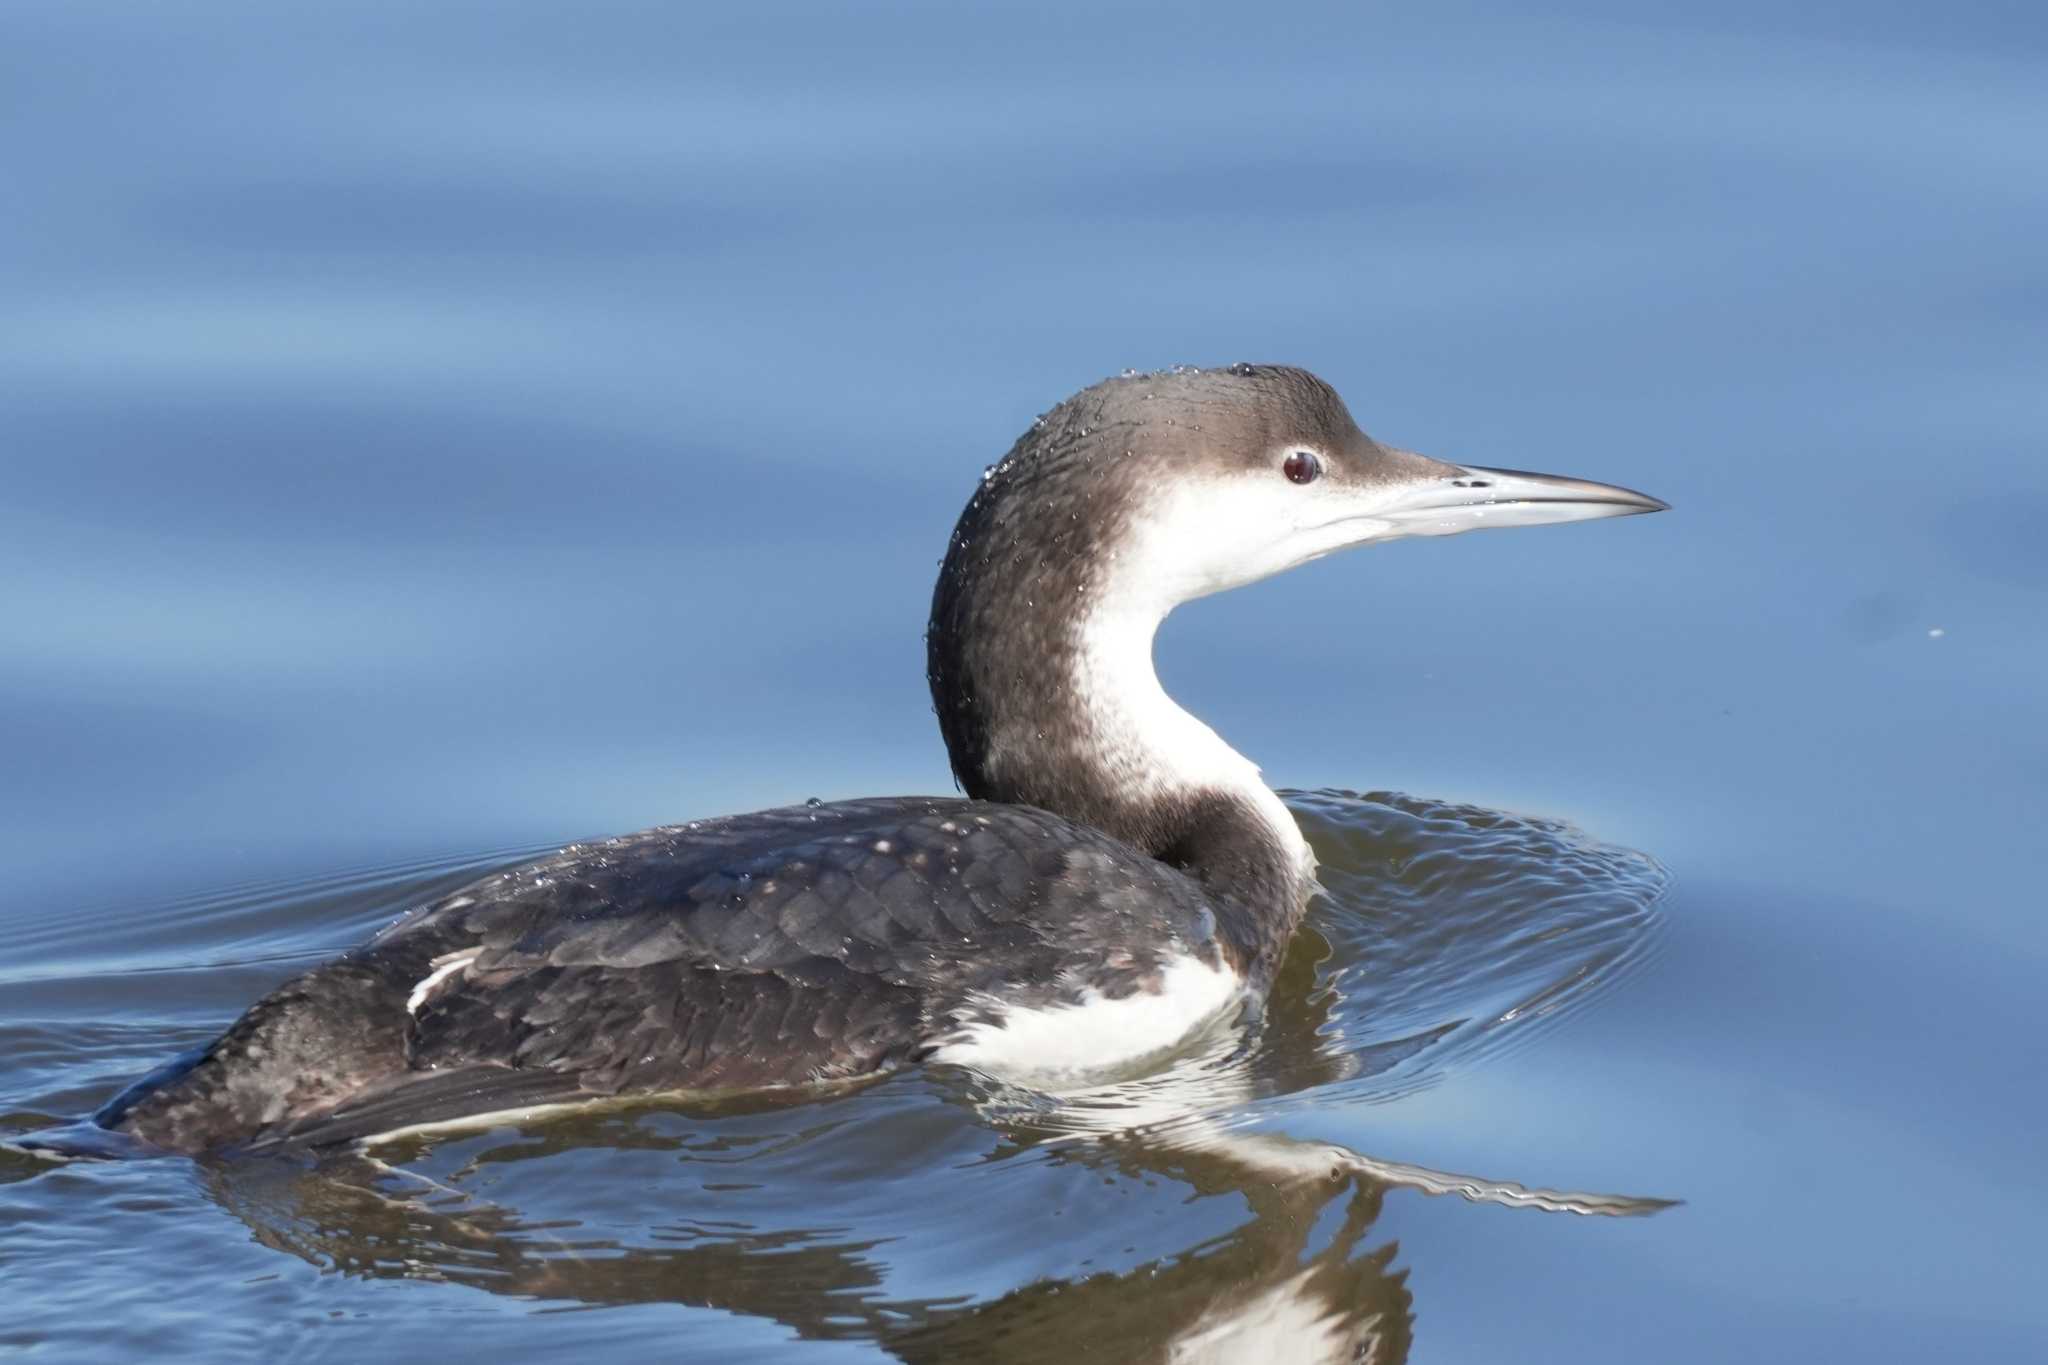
[1150, 745]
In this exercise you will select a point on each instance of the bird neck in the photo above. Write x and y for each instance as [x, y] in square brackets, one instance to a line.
[1046, 692]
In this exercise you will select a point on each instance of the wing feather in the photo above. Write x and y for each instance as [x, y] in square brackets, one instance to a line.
[781, 948]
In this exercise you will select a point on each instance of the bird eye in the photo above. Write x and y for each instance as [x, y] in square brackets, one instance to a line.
[1302, 466]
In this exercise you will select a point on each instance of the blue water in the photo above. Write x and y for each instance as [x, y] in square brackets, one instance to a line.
[425, 433]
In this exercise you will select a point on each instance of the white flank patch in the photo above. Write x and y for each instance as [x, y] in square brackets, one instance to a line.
[1096, 1034]
[444, 967]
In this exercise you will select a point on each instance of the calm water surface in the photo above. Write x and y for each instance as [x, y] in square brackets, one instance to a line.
[431, 437]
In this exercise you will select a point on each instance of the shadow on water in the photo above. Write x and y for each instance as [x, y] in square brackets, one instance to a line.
[945, 1217]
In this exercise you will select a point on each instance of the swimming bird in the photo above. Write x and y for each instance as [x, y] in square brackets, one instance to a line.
[1115, 877]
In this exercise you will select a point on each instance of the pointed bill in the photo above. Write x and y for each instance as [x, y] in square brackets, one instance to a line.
[1456, 498]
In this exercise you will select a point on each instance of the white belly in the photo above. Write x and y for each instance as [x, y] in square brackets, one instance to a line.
[1094, 1036]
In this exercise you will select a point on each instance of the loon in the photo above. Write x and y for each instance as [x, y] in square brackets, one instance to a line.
[1114, 879]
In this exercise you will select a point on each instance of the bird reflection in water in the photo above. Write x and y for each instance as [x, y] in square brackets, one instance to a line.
[1281, 1285]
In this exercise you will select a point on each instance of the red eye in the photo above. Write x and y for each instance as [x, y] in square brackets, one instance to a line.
[1302, 467]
